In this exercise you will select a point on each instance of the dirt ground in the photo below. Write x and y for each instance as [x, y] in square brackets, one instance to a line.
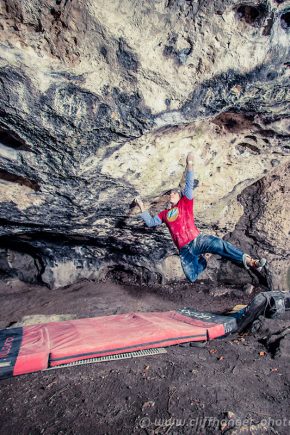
[236, 385]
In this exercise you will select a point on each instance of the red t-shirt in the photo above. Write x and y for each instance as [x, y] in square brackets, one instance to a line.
[180, 222]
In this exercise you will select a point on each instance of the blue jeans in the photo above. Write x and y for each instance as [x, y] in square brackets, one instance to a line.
[192, 260]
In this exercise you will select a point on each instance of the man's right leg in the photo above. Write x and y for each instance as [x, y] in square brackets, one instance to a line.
[216, 245]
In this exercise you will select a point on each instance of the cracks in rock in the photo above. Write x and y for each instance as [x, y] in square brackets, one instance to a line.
[244, 146]
[156, 77]
[272, 133]
[269, 22]
[126, 58]
[12, 140]
[25, 225]
[22, 181]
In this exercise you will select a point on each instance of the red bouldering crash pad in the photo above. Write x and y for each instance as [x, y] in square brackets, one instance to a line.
[37, 347]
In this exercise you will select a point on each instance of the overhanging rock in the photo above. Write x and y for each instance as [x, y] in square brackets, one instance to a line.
[99, 105]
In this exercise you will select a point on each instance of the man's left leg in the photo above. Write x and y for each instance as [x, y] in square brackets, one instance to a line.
[215, 245]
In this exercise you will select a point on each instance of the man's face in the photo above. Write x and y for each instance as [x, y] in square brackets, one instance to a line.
[174, 197]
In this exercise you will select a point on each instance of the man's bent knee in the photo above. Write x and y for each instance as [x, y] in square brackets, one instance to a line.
[191, 278]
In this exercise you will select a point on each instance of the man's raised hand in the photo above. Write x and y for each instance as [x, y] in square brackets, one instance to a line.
[138, 201]
[189, 160]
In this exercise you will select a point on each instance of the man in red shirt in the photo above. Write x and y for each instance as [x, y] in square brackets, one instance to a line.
[192, 245]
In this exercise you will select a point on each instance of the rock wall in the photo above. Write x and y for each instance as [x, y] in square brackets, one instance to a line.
[102, 100]
[264, 228]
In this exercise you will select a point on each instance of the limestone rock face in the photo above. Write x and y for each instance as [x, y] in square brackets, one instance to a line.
[101, 101]
[264, 227]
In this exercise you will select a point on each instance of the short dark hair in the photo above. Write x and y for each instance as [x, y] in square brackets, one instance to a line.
[176, 190]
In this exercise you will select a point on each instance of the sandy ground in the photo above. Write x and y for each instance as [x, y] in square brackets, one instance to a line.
[236, 385]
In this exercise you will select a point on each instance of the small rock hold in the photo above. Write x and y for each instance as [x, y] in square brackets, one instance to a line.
[248, 289]
[275, 162]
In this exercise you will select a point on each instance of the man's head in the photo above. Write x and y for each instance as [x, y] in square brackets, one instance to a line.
[175, 195]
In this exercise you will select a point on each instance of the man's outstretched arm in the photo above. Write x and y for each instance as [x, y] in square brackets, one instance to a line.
[150, 221]
[189, 180]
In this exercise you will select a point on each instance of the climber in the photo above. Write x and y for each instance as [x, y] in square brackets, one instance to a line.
[193, 245]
